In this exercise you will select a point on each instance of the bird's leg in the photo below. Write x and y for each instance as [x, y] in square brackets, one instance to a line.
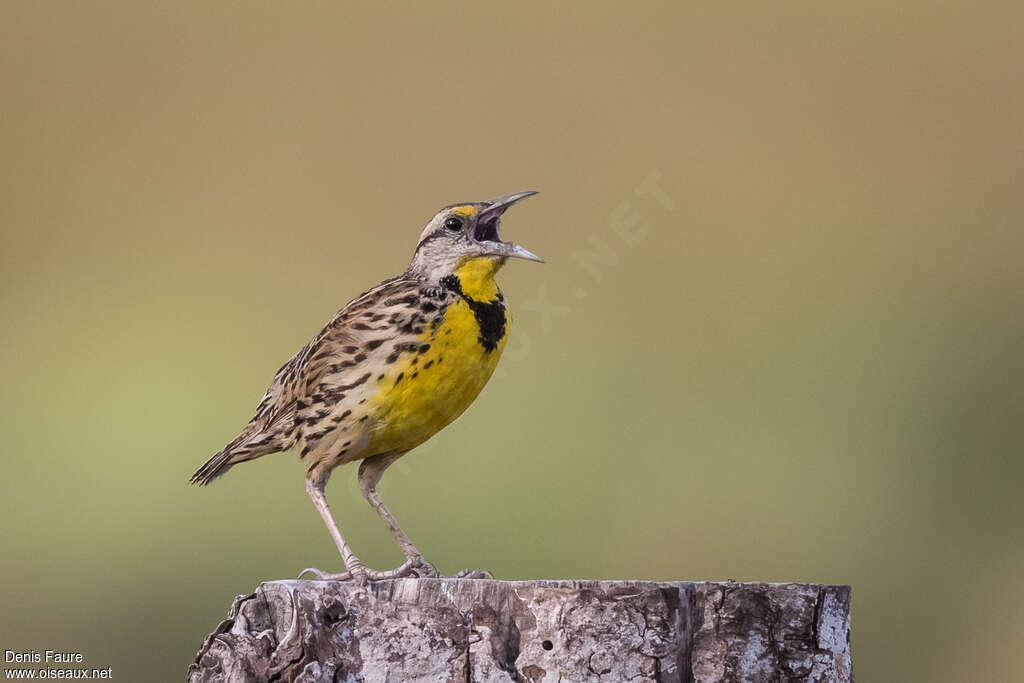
[356, 570]
[370, 472]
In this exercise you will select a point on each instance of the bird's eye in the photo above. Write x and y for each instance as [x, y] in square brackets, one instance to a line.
[453, 223]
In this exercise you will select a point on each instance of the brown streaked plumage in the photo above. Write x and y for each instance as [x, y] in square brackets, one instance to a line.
[391, 368]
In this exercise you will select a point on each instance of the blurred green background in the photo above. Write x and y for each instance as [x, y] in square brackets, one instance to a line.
[801, 360]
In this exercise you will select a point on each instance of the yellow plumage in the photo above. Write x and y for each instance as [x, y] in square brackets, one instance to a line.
[445, 380]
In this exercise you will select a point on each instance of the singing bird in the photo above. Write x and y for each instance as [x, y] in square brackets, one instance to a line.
[392, 368]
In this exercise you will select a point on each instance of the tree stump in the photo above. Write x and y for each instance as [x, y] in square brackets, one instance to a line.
[486, 630]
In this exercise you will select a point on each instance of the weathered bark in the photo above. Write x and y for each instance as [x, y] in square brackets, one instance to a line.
[483, 630]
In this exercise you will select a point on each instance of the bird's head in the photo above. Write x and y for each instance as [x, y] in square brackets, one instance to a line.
[466, 232]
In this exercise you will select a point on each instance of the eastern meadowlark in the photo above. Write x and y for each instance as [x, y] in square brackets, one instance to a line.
[392, 368]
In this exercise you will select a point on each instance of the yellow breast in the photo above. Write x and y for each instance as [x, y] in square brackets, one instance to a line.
[423, 393]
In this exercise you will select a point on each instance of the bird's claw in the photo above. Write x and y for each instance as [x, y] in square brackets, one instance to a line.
[359, 575]
[362, 575]
[320, 575]
[423, 570]
[414, 567]
[473, 574]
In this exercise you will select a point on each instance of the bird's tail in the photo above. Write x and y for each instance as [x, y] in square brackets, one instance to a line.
[248, 445]
[212, 468]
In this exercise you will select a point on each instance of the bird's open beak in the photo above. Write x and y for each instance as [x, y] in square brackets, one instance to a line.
[485, 232]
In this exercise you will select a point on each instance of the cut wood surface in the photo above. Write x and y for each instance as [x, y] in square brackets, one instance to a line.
[487, 630]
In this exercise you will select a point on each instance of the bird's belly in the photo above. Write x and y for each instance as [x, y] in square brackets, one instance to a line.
[422, 393]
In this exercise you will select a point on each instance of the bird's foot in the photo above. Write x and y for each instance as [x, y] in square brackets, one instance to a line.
[320, 575]
[355, 571]
[358, 577]
[423, 569]
[414, 567]
[473, 574]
